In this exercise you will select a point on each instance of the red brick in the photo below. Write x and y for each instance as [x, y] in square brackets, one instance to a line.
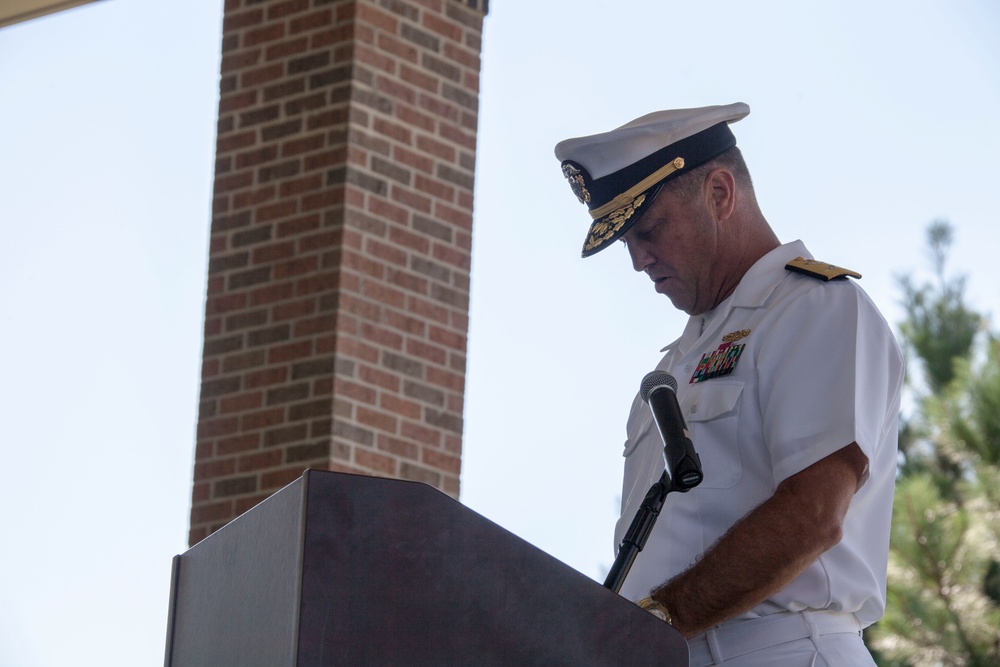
[287, 48]
[458, 136]
[421, 350]
[292, 310]
[236, 20]
[395, 89]
[373, 461]
[398, 447]
[366, 13]
[369, 56]
[380, 335]
[385, 209]
[452, 256]
[389, 44]
[315, 325]
[320, 282]
[436, 148]
[441, 461]
[271, 293]
[420, 433]
[233, 182]
[434, 187]
[214, 468]
[406, 322]
[280, 209]
[376, 419]
[272, 252]
[430, 83]
[314, 21]
[260, 460]
[296, 267]
[209, 428]
[262, 419]
[400, 406]
[369, 279]
[354, 391]
[326, 344]
[413, 159]
[446, 379]
[299, 225]
[410, 240]
[359, 350]
[277, 479]
[461, 55]
[443, 27]
[240, 403]
[236, 102]
[306, 144]
[334, 156]
[409, 198]
[439, 108]
[393, 130]
[416, 118]
[283, 9]
[266, 33]
[326, 199]
[289, 352]
[447, 338]
[238, 443]
[361, 308]
[239, 60]
[453, 443]
[265, 378]
[378, 377]
[254, 197]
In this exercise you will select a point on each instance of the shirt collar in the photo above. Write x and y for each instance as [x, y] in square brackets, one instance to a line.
[752, 291]
[758, 283]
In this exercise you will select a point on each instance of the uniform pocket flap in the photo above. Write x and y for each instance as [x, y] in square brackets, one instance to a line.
[713, 399]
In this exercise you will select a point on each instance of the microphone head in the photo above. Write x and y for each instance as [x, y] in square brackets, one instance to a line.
[656, 379]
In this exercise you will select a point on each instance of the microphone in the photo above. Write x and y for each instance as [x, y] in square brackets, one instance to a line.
[659, 390]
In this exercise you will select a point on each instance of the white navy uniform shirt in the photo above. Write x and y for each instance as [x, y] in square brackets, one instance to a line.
[786, 371]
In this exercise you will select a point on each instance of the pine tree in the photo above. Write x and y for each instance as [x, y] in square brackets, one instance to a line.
[944, 579]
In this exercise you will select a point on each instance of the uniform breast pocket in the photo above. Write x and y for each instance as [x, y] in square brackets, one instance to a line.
[712, 412]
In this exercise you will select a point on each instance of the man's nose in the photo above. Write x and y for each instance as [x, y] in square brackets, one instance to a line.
[640, 255]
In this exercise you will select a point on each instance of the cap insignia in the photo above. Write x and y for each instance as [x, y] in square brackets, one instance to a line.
[576, 182]
[602, 230]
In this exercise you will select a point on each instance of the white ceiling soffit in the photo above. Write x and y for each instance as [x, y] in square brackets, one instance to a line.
[16, 11]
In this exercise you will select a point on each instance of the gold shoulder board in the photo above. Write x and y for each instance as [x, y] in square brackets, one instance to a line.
[821, 270]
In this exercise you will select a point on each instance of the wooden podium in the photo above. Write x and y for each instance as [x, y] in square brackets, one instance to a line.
[340, 569]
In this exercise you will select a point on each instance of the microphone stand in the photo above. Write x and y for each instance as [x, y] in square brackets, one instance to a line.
[639, 530]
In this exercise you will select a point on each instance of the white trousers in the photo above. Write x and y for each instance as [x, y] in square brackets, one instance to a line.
[789, 639]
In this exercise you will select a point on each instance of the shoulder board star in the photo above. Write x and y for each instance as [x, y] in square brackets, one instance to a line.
[821, 270]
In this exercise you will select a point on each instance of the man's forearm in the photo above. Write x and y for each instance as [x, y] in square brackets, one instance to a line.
[768, 548]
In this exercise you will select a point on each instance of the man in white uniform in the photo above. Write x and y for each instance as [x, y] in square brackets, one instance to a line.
[789, 380]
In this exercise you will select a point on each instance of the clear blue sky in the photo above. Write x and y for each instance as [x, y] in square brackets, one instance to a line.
[868, 121]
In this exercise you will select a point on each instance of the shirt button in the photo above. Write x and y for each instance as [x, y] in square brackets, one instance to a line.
[693, 409]
[687, 368]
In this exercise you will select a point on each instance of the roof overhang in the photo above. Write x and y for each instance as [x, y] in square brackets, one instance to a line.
[16, 11]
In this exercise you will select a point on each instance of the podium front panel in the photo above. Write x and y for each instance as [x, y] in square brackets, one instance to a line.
[388, 572]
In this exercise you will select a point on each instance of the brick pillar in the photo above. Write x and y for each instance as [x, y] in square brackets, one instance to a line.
[338, 285]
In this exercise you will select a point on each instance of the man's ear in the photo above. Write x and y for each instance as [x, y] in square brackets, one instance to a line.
[722, 189]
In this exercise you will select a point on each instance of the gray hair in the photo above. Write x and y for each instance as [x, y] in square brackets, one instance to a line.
[689, 184]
